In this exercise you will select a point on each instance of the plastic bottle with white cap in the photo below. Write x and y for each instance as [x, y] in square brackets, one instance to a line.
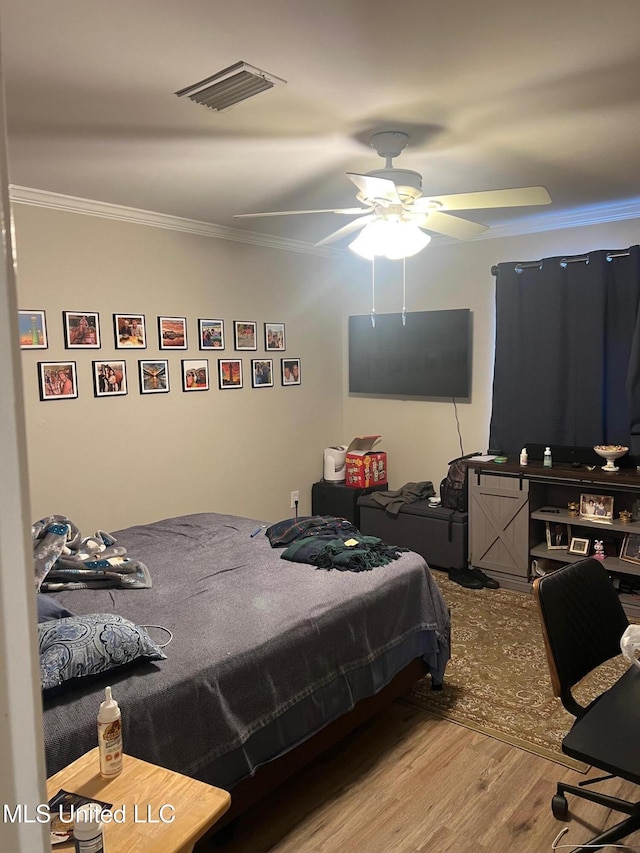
[88, 828]
[110, 736]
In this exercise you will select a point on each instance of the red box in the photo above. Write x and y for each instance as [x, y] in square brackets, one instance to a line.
[365, 466]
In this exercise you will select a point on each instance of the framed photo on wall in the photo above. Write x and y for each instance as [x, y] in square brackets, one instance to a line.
[172, 332]
[558, 536]
[130, 331]
[195, 374]
[290, 369]
[32, 329]
[154, 376]
[81, 330]
[245, 334]
[109, 378]
[262, 372]
[229, 373]
[58, 380]
[211, 334]
[274, 336]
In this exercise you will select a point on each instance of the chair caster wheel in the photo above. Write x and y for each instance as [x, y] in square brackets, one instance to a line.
[560, 807]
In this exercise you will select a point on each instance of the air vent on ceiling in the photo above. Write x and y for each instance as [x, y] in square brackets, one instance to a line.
[230, 86]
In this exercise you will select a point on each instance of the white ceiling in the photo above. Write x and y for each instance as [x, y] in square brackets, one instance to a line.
[494, 94]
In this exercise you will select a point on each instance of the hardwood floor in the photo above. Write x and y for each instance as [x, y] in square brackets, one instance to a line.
[408, 782]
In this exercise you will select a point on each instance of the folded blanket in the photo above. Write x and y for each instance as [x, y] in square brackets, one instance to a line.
[393, 501]
[63, 559]
[357, 554]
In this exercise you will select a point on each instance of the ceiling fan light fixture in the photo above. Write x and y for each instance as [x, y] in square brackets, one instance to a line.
[230, 86]
[390, 238]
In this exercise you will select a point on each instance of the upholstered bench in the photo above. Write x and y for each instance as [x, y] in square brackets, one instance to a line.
[440, 535]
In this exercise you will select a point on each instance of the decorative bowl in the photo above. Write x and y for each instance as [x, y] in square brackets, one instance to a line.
[610, 452]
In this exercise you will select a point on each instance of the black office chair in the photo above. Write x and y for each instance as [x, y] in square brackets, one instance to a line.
[582, 623]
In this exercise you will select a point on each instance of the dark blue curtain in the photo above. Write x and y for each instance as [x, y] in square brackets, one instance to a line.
[567, 352]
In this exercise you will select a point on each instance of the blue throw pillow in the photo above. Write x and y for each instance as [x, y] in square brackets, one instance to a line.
[78, 646]
[50, 608]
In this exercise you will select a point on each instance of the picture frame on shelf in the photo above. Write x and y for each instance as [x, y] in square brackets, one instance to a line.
[211, 334]
[81, 329]
[630, 550]
[579, 546]
[262, 373]
[596, 507]
[274, 337]
[245, 335]
[195, 374]
[130, 331]
[32, 329]
[172, 332]
[229, 373]
[57, 380]
[558, 535]
[110, 378]
[290, 371]
[154, 376]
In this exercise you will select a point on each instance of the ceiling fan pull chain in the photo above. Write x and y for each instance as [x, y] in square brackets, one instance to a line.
[373, 291]
[404, 291]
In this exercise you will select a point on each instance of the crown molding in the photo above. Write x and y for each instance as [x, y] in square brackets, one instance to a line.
[547, 221]
[89, 207]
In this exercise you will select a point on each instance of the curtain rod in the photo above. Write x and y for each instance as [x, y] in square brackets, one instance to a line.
[529, 265]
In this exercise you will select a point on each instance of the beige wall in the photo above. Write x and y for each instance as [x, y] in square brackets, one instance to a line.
[111, 462]
[420, 437]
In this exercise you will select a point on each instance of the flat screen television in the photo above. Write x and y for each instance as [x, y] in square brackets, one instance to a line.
[428, 357]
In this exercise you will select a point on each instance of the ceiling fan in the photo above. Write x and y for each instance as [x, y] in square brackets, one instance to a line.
[393, 195]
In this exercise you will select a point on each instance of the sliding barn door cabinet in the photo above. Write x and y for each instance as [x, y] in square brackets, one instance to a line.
[513, 509]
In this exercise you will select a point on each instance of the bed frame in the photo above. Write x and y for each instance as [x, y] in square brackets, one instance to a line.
[268, 777]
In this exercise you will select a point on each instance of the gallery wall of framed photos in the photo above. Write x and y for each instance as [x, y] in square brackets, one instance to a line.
[107, 373]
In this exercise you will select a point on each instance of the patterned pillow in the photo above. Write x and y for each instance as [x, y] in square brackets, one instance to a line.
[86, 645]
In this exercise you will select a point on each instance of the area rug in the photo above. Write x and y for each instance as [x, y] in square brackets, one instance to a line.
[497, 681]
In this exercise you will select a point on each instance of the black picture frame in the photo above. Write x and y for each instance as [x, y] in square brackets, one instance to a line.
[110, 378]
[195, 374]
[153, 374]
[130, 331]
[32, 329]
[57, 380]
[172, 333]
[245, 335]
[262, 373]
[81, 329]
[290, 371]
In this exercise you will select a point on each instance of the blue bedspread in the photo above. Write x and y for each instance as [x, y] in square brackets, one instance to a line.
[254, 638]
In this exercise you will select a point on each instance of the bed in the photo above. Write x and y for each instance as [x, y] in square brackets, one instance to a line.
[267, 655]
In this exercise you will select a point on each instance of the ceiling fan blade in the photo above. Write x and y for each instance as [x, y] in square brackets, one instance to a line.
[451, 226]
[349, 210]
[519, 197]
[372, 189]
[349, 228]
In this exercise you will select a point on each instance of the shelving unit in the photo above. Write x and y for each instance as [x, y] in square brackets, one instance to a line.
[509, 507]
[597, 530]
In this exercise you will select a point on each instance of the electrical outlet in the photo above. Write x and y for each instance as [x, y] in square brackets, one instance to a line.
[295, 498]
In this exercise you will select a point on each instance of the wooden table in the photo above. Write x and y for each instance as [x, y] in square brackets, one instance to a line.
[161, 810]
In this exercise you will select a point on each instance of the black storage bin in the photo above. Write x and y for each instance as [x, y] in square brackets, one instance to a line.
[440, 535]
